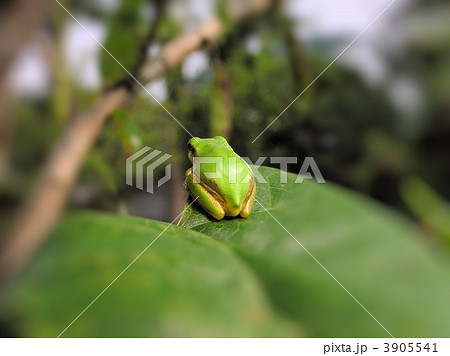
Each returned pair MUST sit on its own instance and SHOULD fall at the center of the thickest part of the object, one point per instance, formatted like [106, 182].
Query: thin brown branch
[301, 68]
[151, 36]
[59, 175]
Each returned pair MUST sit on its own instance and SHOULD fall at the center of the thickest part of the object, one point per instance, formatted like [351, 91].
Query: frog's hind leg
[204, 197]
[248, 202]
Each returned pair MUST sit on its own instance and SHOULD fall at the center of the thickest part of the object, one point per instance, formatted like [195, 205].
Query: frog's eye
[191, 148]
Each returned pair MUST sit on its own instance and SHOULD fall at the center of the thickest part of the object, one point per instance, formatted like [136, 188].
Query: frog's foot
[203, 195]
[248, 202]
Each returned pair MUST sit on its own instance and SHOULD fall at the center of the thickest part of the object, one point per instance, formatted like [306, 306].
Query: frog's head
[202, 147]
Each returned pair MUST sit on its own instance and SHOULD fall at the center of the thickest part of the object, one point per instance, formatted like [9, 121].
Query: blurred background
[377, 121]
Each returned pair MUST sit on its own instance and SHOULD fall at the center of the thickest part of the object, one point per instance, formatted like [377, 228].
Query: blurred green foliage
[127, 29]
[428, 207]
[356, 136]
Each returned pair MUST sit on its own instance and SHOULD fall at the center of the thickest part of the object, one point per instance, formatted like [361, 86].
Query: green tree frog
[222, 182]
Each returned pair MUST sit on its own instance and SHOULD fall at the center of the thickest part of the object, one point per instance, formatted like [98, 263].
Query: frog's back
[235, 175]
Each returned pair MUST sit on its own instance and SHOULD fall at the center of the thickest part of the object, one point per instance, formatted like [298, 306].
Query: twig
[300, 66]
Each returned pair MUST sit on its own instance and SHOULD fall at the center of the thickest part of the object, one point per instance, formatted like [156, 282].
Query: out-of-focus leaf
[124, 41]
[427, 205]
[185, 285]
[371, 250]
[429, 26]
[96, 167]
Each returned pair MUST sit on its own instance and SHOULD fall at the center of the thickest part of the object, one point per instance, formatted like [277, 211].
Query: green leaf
[371, 250]
[250, 279]
[186, 284]
[427, 205]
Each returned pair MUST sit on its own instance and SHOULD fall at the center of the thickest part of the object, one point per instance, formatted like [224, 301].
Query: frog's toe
[247, 209]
